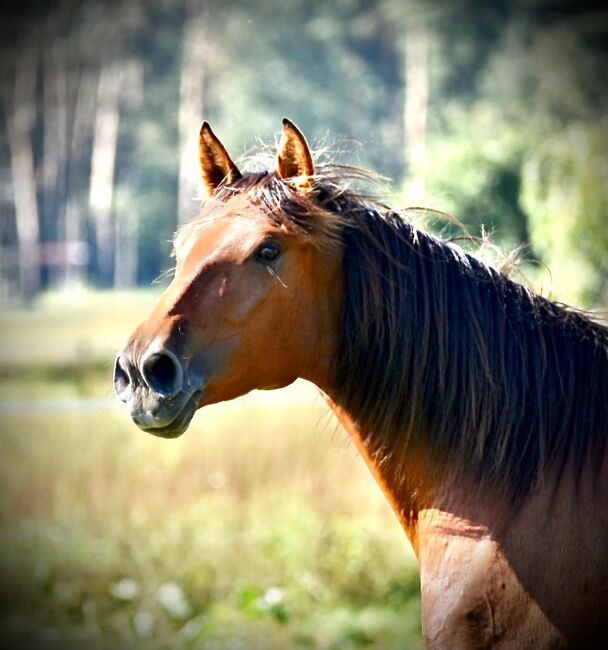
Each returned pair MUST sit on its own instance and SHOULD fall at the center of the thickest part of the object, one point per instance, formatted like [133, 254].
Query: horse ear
[216, 165]
[294, 159]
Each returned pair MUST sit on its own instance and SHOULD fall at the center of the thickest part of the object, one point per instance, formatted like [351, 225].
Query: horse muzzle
[161, 401]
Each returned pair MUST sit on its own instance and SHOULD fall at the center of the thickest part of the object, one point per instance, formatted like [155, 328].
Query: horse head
[255, 299]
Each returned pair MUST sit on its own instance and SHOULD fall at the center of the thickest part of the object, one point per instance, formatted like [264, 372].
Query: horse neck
[423, 502]
[448, 500]
[406, 489]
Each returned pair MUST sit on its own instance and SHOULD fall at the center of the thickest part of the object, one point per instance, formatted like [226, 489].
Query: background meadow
[260, 527]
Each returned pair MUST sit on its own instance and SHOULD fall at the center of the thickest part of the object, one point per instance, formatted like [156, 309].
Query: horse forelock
[275, 200]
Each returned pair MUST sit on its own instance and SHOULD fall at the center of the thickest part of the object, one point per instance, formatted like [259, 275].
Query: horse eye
[267, 253]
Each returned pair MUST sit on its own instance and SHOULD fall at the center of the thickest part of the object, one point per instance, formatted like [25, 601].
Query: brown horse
[480, 407]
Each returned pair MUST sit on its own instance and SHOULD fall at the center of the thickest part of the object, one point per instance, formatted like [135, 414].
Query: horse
[480, 407]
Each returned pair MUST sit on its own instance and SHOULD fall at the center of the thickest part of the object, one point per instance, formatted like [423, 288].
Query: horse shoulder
[471, 597]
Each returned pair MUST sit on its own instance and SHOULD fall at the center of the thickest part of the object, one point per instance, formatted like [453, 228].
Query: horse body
[480, 408]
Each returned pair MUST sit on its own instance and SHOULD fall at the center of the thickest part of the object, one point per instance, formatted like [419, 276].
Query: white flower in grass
[174, 601]
[273, 596]
[144, 624]
[125, 589]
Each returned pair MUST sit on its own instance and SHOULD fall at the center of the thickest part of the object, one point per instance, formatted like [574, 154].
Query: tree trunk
[127, 230]
[190, 114]
[103, 159]
[20, 120]
[55, 147]
[9, 271]
[82, 127]
[127, 220]
[416, 107]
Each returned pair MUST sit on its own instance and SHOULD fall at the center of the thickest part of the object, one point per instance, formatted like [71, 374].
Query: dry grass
[252, 501]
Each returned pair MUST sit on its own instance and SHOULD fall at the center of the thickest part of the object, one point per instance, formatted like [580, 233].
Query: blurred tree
[103, 159]
[19, 123]
[127, 224]
[194, 58]
[54, 117]
[565, 192]
[147, 157]
[19, 51]
[334, 68]
[76, 175]
[534, 72]
[456, 97]
[416, 106]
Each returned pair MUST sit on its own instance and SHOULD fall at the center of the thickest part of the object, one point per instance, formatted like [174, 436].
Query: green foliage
[474, 172]
[334, 69]
[507, 80]
[519, 147]
[566, 195]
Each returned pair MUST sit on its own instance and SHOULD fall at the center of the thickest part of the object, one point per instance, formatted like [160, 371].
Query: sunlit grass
[260, 525]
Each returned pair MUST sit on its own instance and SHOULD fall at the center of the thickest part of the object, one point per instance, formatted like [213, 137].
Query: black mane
[441, 352]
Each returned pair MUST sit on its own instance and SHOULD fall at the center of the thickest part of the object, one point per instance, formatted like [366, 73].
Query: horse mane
[440, 352]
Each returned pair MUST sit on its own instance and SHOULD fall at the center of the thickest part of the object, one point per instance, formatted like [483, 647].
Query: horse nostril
[163, 373]
[122, 380]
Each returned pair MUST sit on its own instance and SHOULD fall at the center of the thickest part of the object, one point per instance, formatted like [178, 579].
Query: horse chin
[179, 424]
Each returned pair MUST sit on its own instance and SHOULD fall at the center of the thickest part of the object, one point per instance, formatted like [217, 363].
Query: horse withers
[480, 407]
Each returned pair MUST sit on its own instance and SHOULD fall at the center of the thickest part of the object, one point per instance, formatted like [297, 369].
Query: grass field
[259, 528]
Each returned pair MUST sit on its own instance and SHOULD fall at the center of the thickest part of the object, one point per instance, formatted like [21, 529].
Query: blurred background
[260, 527]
